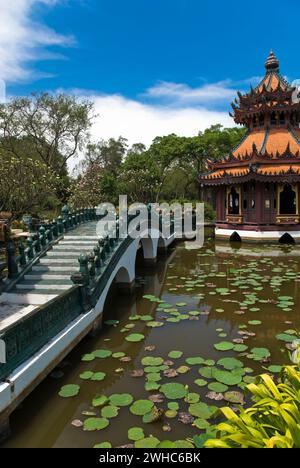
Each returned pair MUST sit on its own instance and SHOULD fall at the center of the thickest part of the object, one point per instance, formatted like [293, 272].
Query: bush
[272, 422]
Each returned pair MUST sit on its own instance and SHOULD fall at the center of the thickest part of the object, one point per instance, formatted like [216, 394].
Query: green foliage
[273, 421]
[25, 186]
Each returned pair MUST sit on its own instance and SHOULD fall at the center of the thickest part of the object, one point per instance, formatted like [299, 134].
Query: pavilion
[257, 184]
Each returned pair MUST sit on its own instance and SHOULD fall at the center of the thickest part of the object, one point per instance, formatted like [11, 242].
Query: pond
[194, 309]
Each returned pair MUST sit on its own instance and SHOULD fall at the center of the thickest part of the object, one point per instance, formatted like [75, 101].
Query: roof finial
[272, 63]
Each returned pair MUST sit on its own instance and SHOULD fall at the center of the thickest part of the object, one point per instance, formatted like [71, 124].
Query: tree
[54, 127]
[25, 187]
[108, 155]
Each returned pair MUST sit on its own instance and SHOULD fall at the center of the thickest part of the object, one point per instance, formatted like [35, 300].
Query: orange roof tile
[278, 169]
[234, 172]
[246, 146]
[278, 140]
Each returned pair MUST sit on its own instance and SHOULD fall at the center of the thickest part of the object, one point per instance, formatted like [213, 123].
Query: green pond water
[247, 298]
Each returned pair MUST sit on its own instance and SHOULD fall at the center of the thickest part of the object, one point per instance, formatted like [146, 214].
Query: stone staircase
[51, 275]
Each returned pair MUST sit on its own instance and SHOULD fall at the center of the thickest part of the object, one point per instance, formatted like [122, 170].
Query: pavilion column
[259, 189]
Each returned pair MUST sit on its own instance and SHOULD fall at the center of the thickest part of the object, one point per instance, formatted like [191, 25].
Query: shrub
[273, 421]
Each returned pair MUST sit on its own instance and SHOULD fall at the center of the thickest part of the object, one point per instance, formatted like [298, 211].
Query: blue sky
[151, 66]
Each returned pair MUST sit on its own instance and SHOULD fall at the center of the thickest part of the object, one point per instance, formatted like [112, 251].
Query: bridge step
[55, 268]
[31, 299]
[35, 286]
[81, 238]
[75, 243]
[63, 261]
[48, 276]
[59, 254]
[74, 248]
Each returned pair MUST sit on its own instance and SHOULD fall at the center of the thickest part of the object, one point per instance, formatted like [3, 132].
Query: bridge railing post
[65, 216]
[12, 265]
[80, 280]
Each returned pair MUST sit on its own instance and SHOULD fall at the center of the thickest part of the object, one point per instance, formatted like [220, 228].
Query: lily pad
[152, 361]
[135, 337]
[98, 376]
[148, 442]
[224, 345]
[174, 391]
[175, 354]
[99, 400]
[226, 377]
[230, 363]
[121, 399]
[217, 387]
[68, 391]
[202, 410]
[234, 397]
[102, 353]
[86, 375]
[135, 433]
[191, 361]
[141, 407]
[109, 412]
[95, 424]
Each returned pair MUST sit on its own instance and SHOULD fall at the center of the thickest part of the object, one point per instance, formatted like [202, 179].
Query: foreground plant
[272, 422]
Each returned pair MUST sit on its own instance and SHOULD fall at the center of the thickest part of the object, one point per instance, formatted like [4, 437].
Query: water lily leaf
[230, 363]
[217, 387]
[148, 442]
[135, 433]
[118, 355]
[224, 346]
[173, 405]
[109, 412]
[95, 424]
[152, 386]
[275, 369]
[201, 423]
[226, 377]
[154, 377]
[98, 376]
[174, 391]
[102, 353]
[166, 444]
[68, 391]
[191, 361]
[135, 337]
[201, 382]
[260, 352]
[285, 337]
[155, 324]
[141, 407]
[152, 361]
[192, 398]
[202, 410]
[88, 357]
[171, 414]
[234, 397]
[183, 369]
[86, 375]
[255, 322]
[175, 354]
[183, 444]
[99, 400]
[205, 372]
[240, 348]
[181, 304]
[121, 399]
[103, 445]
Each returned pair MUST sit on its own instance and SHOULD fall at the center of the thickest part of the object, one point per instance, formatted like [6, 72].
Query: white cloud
[140, 122]
[184, 94]
[22, 39]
